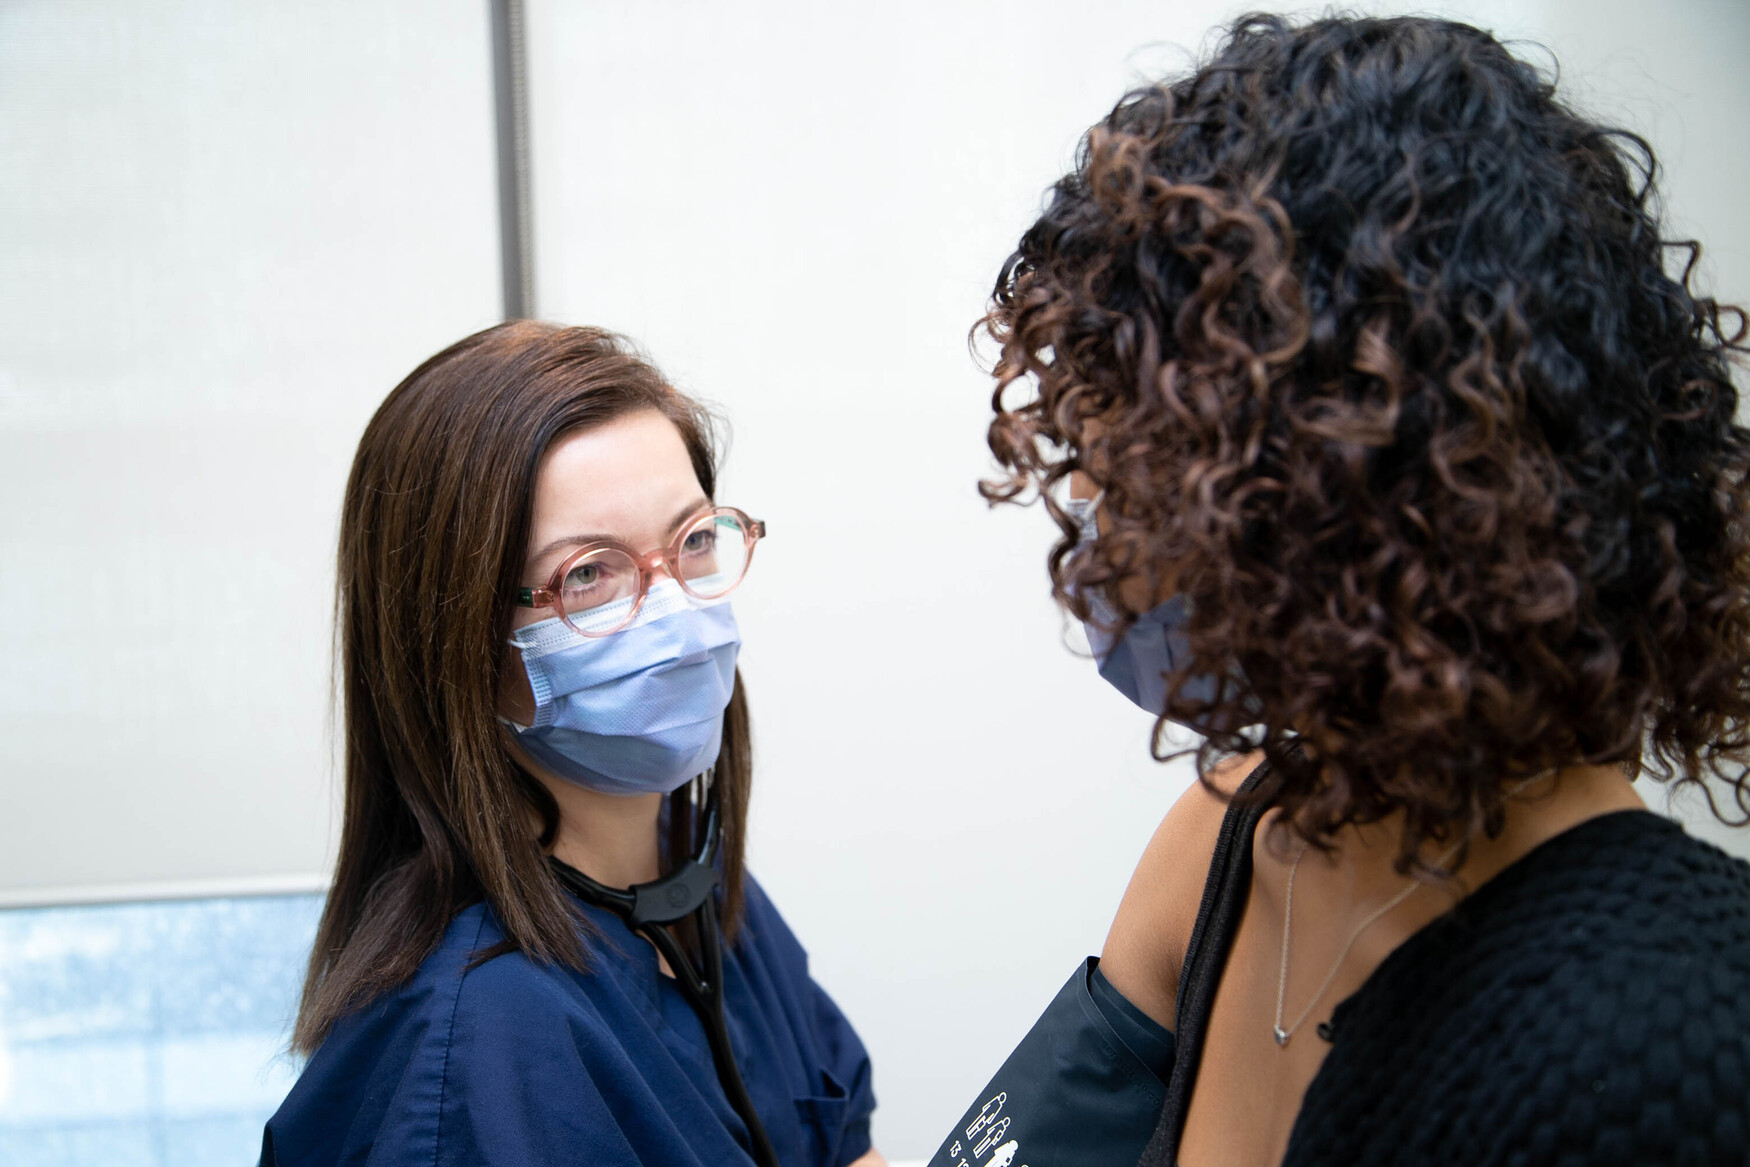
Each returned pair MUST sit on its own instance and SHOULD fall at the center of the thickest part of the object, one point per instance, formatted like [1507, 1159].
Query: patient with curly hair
[1395, 452]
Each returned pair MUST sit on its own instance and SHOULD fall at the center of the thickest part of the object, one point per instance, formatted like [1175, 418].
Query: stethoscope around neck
[648, 909]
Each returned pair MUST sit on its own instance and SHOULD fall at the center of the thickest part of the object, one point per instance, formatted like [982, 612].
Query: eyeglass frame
[646, 563]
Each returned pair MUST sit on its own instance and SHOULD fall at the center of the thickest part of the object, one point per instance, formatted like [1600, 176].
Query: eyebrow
[579, 540]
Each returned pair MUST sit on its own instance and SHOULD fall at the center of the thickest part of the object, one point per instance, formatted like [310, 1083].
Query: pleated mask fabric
[639, 711]
[1140, 663]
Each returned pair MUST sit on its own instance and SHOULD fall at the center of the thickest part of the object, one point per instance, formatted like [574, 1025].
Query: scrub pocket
[822, 1119]
[1073, 1094]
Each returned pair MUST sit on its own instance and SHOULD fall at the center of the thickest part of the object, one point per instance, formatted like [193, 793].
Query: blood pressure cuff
[1083, 1089]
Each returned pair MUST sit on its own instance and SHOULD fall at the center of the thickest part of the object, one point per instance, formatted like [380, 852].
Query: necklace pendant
[1281, 1035]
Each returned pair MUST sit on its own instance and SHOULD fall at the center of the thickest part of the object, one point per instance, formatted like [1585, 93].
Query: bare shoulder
[1150, 932]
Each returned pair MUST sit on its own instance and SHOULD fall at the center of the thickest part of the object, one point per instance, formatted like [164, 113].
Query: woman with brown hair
[1389, 455]
[547, 777]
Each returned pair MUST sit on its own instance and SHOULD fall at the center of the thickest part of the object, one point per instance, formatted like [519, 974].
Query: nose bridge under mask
[670, 639]
[636, 711]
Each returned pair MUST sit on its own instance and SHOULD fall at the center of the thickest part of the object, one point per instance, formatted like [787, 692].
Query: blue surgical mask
[636, 712]
[1139, 663]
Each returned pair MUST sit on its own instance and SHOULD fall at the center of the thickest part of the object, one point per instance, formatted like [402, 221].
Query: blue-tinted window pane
[151, 1034]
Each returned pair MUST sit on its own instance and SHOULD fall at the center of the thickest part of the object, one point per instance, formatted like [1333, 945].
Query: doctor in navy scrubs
[538, 665]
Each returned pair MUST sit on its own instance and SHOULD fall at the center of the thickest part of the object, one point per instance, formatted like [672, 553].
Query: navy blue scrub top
[514, 1062]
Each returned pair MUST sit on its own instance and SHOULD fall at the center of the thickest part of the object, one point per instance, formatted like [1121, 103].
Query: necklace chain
[1277, 1030]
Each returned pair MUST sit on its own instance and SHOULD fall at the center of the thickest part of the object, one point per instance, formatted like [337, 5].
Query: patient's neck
[1535, 813]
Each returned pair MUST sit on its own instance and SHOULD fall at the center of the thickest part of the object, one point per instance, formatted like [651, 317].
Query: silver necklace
[1277, 1030]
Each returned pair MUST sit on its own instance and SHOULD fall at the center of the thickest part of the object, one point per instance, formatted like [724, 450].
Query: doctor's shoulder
[476, 1026]
[1151, 930]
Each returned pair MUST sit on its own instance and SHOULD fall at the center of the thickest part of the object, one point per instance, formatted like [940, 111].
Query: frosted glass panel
[150, 1034]
[228, 230]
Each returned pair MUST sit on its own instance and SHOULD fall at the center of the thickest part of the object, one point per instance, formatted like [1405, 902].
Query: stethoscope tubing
[648, 909]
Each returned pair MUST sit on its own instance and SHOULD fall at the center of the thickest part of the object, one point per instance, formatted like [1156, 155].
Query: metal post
[511, 100]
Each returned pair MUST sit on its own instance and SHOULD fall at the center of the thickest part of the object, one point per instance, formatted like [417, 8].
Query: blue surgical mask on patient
[1138, 663]
[636, 712]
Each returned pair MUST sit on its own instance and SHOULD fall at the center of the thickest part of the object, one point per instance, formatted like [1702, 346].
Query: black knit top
[1588, 1005]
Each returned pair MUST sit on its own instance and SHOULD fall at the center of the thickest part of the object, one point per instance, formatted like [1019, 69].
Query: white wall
[800, 209]
[229, 229]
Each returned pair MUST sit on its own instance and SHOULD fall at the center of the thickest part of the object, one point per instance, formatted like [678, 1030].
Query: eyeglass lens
[713, 556]
[710, 560]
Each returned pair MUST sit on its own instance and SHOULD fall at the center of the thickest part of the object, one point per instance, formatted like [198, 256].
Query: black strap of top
[1218, 918]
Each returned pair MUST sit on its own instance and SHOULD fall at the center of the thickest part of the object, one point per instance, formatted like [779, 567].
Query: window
[148, 1033]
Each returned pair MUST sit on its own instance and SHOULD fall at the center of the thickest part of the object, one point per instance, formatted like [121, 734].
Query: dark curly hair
[1371, 344]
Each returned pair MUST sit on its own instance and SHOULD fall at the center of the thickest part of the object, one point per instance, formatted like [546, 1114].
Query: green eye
[584, 575]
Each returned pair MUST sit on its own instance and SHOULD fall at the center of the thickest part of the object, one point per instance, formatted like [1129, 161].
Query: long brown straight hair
[433, 534]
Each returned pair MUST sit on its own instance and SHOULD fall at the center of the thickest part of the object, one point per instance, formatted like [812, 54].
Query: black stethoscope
[648, 909]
